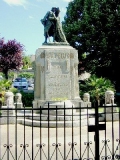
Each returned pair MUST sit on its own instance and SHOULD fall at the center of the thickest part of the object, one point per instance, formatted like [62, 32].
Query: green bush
[13, 90]
[26, 75]
[5, 85]
[96, 87]
[27, 99]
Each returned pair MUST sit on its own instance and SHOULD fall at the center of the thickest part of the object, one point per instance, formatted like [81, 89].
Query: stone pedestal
[18, 105]
[8, 115]
[62, 114]
[18, 100]
[56, 75]
[85, 104]
[56, 83]
[111, 111]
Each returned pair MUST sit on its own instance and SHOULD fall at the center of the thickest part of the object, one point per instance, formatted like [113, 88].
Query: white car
[20, 83]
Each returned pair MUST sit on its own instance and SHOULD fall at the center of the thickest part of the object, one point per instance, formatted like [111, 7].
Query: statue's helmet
[58, 9]
[53, 9]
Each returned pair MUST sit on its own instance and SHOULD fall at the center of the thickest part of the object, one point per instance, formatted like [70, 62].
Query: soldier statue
[53, 27]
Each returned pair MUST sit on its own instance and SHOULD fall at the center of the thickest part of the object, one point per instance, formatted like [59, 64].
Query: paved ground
[31, 138]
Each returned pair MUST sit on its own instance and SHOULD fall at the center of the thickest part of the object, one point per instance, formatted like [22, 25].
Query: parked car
[20, 83]
[31, 82]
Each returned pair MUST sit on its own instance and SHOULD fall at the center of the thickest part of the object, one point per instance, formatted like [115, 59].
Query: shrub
[4, 87]
[26, 75]
[96, 87]
[27, 99]
[13, 90]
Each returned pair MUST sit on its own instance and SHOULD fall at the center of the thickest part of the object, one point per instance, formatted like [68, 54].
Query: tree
[26, 75]
[26, 62]
[10, 56]
[92, 27]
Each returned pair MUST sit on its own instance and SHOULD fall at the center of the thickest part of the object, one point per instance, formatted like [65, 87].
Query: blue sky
[20, 20]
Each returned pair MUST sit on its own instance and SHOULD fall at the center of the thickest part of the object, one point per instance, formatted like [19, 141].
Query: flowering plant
[59, 99]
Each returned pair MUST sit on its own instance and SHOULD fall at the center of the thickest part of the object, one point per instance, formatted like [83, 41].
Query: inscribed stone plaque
[57, 77]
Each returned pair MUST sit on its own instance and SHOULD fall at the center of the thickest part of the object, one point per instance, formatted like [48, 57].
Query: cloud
[16, 2]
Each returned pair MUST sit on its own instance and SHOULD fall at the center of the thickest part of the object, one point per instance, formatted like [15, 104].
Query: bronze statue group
[53, 27]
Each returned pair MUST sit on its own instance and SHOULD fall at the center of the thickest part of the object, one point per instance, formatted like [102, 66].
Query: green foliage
[11, 75]
[10, 56]
[5, 85]
[26, 62]
[26, 75]
[13, 90]
[93, 26]
[27, 99]
[96, 87]
[33, 65]
[1, 74]
[2, 98]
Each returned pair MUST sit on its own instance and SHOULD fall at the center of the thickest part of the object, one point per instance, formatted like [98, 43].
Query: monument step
[25, 111]
[43, 117]
[52, 124]
[59, 112]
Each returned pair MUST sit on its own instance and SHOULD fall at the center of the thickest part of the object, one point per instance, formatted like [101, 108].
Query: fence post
[96, 132]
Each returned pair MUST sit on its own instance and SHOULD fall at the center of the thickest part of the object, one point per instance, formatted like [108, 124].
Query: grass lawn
[101, 109]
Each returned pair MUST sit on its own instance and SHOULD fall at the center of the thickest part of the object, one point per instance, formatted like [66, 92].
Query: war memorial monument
[56, 73]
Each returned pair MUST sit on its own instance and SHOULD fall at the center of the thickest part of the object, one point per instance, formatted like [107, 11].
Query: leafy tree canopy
[92, 27]
[10, 56]
[26, 75]
[26, 62]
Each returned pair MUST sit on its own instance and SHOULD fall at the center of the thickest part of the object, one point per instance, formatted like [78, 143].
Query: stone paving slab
[20, 135]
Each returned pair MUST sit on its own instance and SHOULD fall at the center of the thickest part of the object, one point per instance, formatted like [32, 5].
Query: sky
[20, 20]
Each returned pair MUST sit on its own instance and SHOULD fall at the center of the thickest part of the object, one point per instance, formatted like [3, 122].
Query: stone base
[38, 120]
[109, 117]
[53, 124]
[8, 111]
[56, 44]
[110, 111]
[8, 115]
[85, 104]
[38, 103]
[18, 105]
[7, 120]
[69, 103]
[59, 108]
[60, 114]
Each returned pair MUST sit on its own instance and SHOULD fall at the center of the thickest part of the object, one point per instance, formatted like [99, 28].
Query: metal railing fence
[74, 133]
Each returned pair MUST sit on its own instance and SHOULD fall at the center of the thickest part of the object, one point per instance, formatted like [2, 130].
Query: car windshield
[20, 80]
